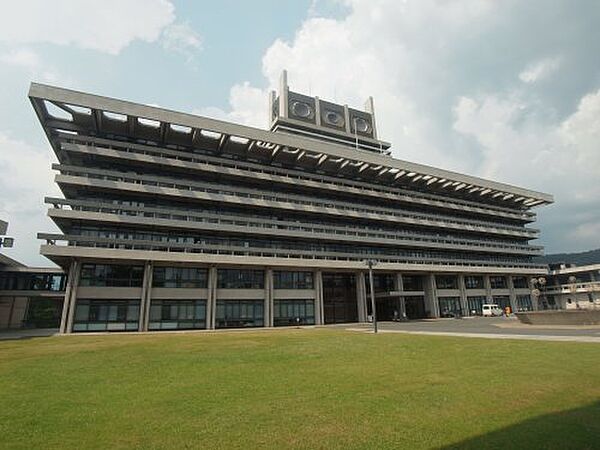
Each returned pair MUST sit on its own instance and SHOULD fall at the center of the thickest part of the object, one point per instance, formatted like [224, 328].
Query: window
[520, 282]
[293, 312]
[239, 313]
[106, 315]
[446, 282]
[111, 275]
[502, 301]
[498, 282]
[524, 303]
[180, 277]
[474, 282]
[20, 281]
[177, 314]
[293, 280]
[383, 282]
[475, 305]
[240, 279]
[449, 306]
[412, 282]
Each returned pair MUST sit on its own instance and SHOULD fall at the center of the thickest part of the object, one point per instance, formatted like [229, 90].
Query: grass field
[320, 388]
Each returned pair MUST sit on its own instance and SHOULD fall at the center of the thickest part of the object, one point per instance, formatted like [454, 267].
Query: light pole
[370, 263]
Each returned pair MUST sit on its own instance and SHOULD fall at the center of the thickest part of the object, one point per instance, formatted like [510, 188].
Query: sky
[504, 90]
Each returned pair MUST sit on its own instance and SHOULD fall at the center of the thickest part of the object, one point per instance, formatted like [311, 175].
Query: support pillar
[67, 300]
[463, 295]
[318, 276]
[399, 287]
[431, 303]
[73, 296]
[146, 297]
[211, 299]
[269, 302]
[512, 293]
[488, 289]
[361, 296]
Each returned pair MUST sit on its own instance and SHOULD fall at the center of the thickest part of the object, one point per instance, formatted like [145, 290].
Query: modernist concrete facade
[571, 287]
[171, 220]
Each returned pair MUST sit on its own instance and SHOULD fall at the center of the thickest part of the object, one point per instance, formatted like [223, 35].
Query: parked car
[491, 310]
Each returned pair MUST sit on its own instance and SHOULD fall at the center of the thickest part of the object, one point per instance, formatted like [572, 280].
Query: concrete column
[268, 310]
[488, 289]
[361, 296]
[146, 297]
[512, 293]
[211, 300]
[464, 306]
[69, 288]
[399, 287]
[430, 292]
[73, 301]
[318, 280]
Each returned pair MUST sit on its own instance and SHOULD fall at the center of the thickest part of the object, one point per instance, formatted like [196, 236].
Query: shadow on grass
[572, 429]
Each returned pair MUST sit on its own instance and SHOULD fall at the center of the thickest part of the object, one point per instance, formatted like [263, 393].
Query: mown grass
[314, 388]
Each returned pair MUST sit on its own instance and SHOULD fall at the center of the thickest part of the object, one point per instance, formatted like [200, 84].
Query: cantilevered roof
[76, 112]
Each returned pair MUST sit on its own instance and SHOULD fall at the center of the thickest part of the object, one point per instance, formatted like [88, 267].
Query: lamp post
[370, 263]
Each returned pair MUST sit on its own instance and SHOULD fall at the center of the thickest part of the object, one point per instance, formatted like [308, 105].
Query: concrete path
[488, 328]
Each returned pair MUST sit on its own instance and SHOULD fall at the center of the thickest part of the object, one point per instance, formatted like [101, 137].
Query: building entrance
[415, 307]
[339, 298]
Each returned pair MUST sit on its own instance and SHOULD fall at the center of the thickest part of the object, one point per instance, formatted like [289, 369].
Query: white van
[491, 310]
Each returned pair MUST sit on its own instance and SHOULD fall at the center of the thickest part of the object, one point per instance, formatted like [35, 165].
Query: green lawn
[319, 388]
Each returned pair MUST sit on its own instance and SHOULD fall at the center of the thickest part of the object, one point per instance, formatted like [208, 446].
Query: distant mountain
[581, 259]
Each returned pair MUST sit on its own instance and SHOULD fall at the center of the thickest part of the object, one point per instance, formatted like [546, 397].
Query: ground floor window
[106, 315]
[524, 303]
[415, 307]
[240, 313]
[475, 305]
[502, 301]
[177, 314]
[449, 306]
[293, 312]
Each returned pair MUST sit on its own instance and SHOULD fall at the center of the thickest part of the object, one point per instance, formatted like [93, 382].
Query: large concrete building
[171, 220]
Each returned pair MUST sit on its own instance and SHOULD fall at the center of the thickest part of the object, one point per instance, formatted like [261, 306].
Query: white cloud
[540, 69]
[561, 158]
[26, 179]
[249, 106]
[106, 26]
[22, 57]
[181, 38]
[443, 78]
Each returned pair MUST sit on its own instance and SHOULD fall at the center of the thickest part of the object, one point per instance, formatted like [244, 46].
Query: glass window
[293, 312]
[475, 305]
[502, 301]
[106, 315]
[474, 282]
[32, 281]
[383, 282]
[111, 275]
[239, 313]
[240, 279]
[180, 277]
[446, 281]
[449, 306]
[293, 280]
[520, 282]
[524, 303]
[498, 282]
[412, 282]
[177, 314]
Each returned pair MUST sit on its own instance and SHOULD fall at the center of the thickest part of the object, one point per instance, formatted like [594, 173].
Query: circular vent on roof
[333, 118]
[361, 125]
[301, 109]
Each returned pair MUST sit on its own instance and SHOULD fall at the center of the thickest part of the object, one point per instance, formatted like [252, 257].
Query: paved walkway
[489, 328]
